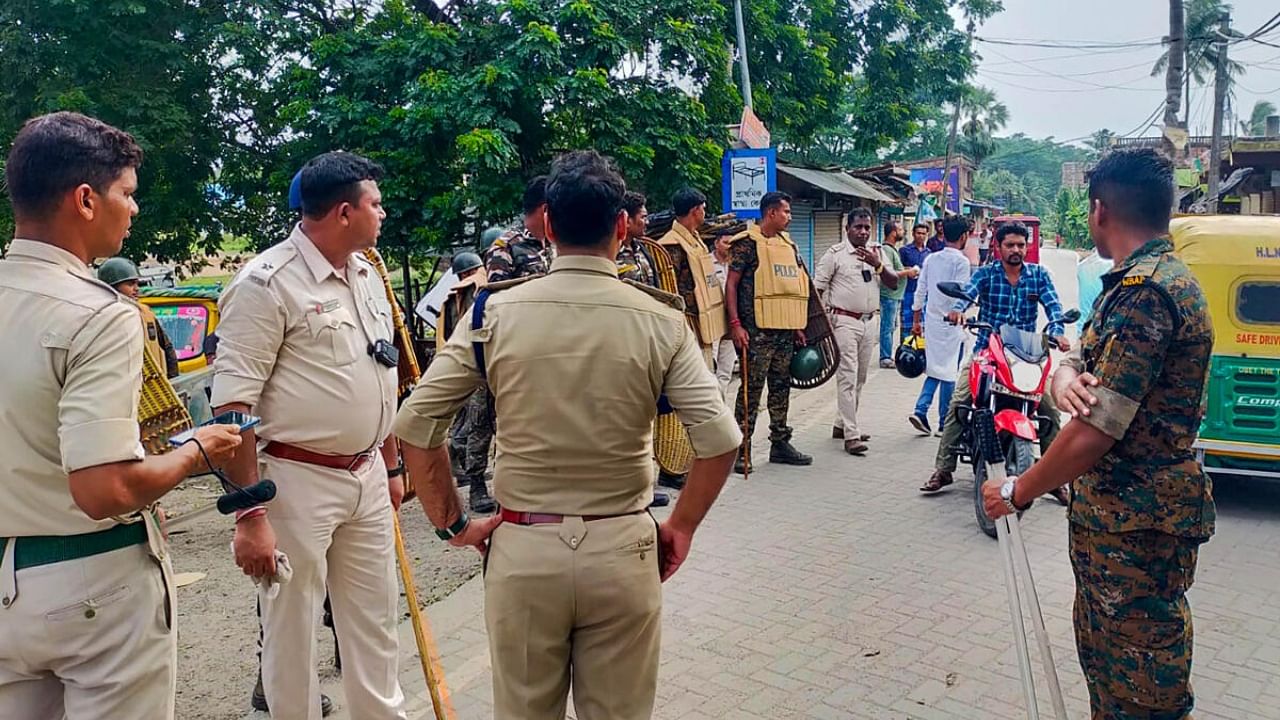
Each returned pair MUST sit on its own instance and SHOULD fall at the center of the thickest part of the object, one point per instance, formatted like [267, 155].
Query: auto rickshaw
[189, 317]
[1237, 261]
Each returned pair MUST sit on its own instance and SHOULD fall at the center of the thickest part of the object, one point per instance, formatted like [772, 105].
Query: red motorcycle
[1002, 424]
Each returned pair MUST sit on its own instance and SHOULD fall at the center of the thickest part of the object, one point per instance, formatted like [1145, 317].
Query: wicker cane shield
[161, 415]
[671, 446]
[819, 334]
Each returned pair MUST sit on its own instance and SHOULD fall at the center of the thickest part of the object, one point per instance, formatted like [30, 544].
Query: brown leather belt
[285, 451]
[528, 518]
[854, 315]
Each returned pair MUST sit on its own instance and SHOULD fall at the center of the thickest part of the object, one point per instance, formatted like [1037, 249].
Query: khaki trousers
[726, 356]
[577, 603]
[87, 639]
[336, 528]
[857, 340]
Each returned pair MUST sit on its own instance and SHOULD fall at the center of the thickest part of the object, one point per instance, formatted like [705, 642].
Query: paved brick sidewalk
[837, 591]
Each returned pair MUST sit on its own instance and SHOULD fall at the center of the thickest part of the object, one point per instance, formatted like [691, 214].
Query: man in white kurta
[943, 342]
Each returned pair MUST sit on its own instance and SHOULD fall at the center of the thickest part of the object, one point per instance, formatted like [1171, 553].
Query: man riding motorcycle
[1009, 293]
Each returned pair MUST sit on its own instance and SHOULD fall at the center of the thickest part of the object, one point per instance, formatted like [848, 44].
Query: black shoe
[837, 432]
[675, 482]
[463, 480]
[920, 423]
[740, 465]
[784, 453]
[481, 501]
[259, 701]
[660, 499]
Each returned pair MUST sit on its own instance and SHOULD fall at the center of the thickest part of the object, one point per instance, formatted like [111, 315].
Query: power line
[1041, 73]
[1068, 78]
[1094, 53]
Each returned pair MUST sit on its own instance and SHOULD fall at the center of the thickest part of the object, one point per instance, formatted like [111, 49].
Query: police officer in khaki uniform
[86, 611]
[576, 361]
[121, 274]
[848, 278]
[304, 336]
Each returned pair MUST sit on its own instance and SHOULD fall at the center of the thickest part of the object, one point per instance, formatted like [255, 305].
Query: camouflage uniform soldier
[525, 252]
[633, 263]
[1141, 504]
[768, 349]
[472, 429]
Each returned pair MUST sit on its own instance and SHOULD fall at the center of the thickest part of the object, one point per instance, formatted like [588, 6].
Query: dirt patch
[217, 624]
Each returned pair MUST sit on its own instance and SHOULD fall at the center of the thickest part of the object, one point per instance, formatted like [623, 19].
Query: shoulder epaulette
[661, 296]
[264, 267]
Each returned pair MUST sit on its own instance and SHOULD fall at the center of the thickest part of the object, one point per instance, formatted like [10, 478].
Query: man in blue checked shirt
[1009, 293]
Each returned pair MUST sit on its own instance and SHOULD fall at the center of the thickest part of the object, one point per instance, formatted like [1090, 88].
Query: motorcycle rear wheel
[1018, 459]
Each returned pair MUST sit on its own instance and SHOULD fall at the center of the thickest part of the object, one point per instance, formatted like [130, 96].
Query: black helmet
[909, 359]
[806, 364]
[464, 261]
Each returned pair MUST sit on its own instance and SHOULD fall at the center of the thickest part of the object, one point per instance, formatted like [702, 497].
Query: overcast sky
[1044, 103]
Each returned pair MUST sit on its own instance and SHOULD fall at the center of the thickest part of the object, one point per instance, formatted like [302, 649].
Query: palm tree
[984, 115]
[1256, 125]
[1203, 17]
[1100, 140]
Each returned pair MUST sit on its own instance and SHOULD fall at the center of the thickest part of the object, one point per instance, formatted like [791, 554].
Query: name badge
[328, 306]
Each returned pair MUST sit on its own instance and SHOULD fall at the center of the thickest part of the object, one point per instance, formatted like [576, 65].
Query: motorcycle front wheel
[1018, 459]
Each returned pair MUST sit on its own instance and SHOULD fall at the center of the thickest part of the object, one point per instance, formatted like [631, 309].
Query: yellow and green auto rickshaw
[1237, 260]
[189, 316]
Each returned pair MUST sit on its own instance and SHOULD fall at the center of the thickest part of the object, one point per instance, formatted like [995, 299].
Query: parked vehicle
[1236, 258]
[1003, 424]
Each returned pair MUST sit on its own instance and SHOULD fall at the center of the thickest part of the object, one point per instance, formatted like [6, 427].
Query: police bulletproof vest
[782, 286]
[709, 313]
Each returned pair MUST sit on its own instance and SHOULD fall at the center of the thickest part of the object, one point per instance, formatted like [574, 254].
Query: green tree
[1071, 218]
[1099, 141]
[1002, 188]
[983, 115]
[1256, 125]
[145, 67]
[1202, 26]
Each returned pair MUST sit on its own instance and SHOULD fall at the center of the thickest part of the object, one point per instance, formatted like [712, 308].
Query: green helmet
[117, 270]
[806, 364]
[488, 236]
[464, 261]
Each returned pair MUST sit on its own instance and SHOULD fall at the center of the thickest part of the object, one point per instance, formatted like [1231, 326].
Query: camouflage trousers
[768, 364]
[1133, 623]
[471, 434]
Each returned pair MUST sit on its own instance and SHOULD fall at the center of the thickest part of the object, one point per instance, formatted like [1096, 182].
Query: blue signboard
[747, 176]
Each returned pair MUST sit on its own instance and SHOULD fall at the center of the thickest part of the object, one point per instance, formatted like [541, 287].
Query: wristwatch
[1006, 494]
[455, 529]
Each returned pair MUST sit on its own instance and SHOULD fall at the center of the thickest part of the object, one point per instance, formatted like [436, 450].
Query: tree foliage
[144, 66]
[462, 105]
[1071, 218]
[1256, 125]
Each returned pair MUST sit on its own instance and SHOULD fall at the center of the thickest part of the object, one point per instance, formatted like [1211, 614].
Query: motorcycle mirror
[954, 290]
[1070, 316]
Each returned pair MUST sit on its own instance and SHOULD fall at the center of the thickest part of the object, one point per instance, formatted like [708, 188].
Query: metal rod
[1015, 611]
[1037, 620]
[185, 519]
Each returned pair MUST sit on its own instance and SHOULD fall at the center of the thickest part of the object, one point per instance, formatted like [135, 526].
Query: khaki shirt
[72, 373]
[839, 277]
[293, 344]
[576, 361]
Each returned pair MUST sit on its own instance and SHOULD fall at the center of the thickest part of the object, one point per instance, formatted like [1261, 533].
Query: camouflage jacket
[515, 255]
[635, 265]
[1148, 342]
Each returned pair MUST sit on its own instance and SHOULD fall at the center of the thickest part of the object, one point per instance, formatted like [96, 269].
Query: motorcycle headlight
[1026, 376]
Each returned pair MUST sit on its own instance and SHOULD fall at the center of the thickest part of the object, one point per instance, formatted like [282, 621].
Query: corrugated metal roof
[835, 181]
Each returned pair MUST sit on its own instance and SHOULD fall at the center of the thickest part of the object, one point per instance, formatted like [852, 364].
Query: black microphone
[245, 498]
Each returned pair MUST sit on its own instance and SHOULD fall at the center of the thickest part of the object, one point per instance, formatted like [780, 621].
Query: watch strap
[455, 529]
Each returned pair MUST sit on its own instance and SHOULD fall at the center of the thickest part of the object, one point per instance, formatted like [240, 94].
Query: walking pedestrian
[726, 353]
[943, 341]
[87, 601]
[574, 564]
[1141, 504]
[848, 279]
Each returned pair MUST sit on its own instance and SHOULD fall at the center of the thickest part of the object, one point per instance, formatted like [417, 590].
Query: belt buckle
[357, 463]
